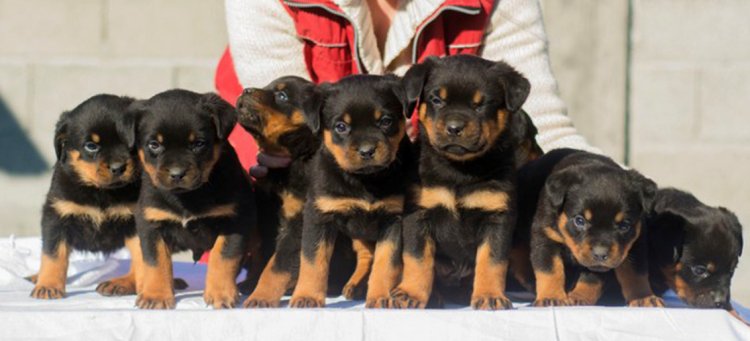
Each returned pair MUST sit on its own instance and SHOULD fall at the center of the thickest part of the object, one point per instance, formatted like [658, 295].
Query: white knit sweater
[265, 46]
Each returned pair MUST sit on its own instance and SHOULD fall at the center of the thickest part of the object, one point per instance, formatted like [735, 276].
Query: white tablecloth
[84, 315]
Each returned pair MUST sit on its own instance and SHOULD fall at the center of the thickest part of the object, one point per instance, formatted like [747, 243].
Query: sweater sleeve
[516, 35]
[263, 42]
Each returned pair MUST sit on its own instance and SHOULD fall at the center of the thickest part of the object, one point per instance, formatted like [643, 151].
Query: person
[324, 40]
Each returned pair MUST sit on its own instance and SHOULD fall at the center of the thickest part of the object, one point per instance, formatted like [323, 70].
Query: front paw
[401, 298]
[155, 301]
[353, 291]
[48, 292]
[579, 301]
[260, 302]
[652, 301]
[116, 287]
[223, 298]
[379, 302]
[306, 302]
[551, 302]
[491, 302]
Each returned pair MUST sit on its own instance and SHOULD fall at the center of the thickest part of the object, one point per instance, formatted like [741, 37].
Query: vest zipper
[460, 9]
[342, 15]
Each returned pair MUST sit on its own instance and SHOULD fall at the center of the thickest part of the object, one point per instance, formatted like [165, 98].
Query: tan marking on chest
[96, 215]
[392, 204]
[431, 197]
[154, 214]
[291, 205]
[493, 201]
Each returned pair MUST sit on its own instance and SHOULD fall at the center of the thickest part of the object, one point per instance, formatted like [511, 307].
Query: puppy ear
[414, 81]
[734, 226]
[61, 135]
[522, 127]
[646, 186]
[128, 124]
[313, 106]
[222, 113]
[515, 86]
[558, 185]
[396, 85]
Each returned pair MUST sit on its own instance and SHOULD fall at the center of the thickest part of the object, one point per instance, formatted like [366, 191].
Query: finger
[272, 161]
[258, 171]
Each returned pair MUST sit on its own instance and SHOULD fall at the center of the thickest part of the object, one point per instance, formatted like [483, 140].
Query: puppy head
[361, 119]
[274, 113]
[707, 248]
[466, 103]
[180, 137]
[94, 142]
[601, 208]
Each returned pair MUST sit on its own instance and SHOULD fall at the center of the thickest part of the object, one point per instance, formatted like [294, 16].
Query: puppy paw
[353, 291]
[402, 299]
[551, 302]
[306, 302]
[491, 302]
[260, 302]
[579, 301]
[155, 301]
[379, 302]
[44, 292]
[222, 298]
[116, 287]
[652, 301]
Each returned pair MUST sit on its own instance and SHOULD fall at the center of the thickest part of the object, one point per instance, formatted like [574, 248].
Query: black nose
[177, 173]
[248, 91]
[600, 253]
[366, 152]
[455, 127]
[117, 168]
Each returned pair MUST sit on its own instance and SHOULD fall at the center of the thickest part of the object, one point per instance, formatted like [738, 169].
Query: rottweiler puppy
[274, 116]
[194, 194]
[357, 186]
[693, 249]
[587, 220]
[94, 188]
[460, 233]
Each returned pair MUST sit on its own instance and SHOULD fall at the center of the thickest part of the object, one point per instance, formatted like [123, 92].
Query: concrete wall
[690, 74]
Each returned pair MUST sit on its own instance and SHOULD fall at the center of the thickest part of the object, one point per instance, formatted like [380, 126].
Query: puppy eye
[624, 226]
[436, 101]
[341, 127]
[580, 222]
[154, 145]
[699, 270]
[281, 96]
[91, 147]
[198, 145]
[386, 122]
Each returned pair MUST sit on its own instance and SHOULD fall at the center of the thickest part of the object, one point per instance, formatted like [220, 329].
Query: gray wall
[689, 95]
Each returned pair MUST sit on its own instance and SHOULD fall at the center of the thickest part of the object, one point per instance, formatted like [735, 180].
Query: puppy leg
[157, 291]
[419, 265]
[364, 251]
[315, 258]
[489, 280]
[549, 271]
[125, 285]
[386, 268]
[50, 282]
[588, 289]
[223, 265]
[632, 275]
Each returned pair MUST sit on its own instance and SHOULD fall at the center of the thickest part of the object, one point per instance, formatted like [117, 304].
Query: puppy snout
[177, 173]
[366, 151]
[600, 253]
[248, 91]
[719, 298]
[117, 168]
[455, 127]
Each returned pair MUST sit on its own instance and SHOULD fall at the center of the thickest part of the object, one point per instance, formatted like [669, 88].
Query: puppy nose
[367, 151]
[600, 253]
[177, 173]
[248, 91]
[454, 127]
[117, 168]
[719, 298]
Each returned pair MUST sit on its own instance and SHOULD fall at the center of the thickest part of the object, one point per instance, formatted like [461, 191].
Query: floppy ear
[128, 124]
[414, 81]
[515, 86]
[397, 86]
[61, 135]
[522, 127]
[734, 226]
[557, 186]
[646, 186]
[313, 106]
[222, 113]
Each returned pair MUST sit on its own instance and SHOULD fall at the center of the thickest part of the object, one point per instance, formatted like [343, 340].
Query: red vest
[455, 27]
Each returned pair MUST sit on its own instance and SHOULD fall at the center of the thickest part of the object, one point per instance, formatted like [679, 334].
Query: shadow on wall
[18, 155]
